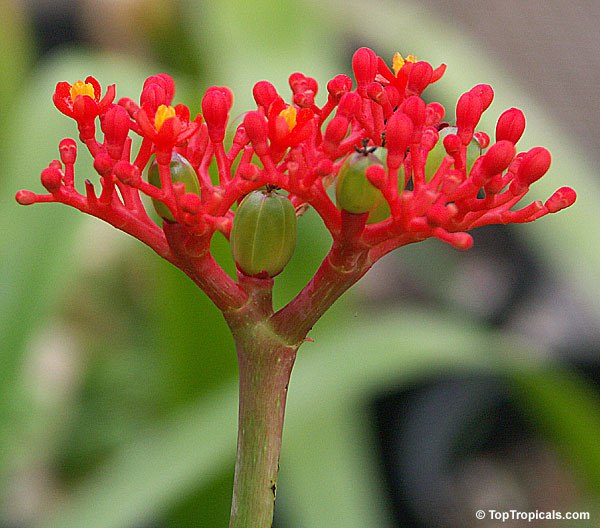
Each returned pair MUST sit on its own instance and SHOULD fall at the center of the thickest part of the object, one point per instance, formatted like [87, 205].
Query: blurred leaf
[37, 250]
[337, 373]
[247, 42]
[191, 334]
[15, 56]
[566, 408]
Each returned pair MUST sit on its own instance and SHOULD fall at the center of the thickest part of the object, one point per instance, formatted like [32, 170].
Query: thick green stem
[265, 367]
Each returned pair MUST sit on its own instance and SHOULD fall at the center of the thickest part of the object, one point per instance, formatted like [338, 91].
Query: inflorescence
[432, 177]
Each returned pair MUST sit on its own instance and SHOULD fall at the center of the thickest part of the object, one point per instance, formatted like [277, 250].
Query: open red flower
[83, 101]
[167, 127]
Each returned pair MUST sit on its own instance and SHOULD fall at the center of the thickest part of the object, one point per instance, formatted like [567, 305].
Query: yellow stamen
[398, 61]
[163, 112]
[81, 88]
[289, 114]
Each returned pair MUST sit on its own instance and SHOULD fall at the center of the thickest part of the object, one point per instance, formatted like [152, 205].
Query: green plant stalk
[266, 345]
[265, 369]
[265, 366]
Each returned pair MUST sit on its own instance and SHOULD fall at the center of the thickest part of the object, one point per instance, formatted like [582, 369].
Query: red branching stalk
[430, 182]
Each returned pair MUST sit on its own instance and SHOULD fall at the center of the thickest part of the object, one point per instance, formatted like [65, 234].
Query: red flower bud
[128, 173]
[336, 130]
[257, 129]
[562, 198]
[485, 94]
[376, 175]
[511, 125]
[534, 164]
[103, 163]
[216, 104]
[338, 86]
[349, 105]
[398, 132]
[414, 108]
[24, 197]
[364, 65]
[497, 158]
[115, 124]
[190, 203]
[52, 179]
[419, 78]
[468, 113]
[434, 113]
[264, 94]
[68, 151]
[158, 89]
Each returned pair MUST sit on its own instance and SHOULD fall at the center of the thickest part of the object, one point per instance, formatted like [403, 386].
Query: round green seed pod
[353, 192]
[181, 171]
[437, 153]
[263, 236]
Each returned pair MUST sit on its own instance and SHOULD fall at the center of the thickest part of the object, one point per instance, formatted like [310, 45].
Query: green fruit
[181, 171]
[437, 153]
[353, 192]
[263, 236]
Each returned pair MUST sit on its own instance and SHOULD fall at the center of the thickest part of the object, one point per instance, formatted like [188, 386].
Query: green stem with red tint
[265, 366]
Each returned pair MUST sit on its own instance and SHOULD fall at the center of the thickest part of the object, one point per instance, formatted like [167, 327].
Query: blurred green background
[118, 378]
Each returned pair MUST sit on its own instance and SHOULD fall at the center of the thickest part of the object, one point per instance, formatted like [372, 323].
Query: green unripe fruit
[353, 192]
[437, 153]
[181, 171]
[263, 236]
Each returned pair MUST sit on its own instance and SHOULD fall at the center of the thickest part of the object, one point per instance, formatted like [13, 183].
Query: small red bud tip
[468, 112]
[398, 133]
[258, 130]
[336, 130]
[462, 241]
[458, 240]
[215, 110]
[533, 166]
[264, 94]
[511, 125]
[51, 178]
[452, 144]
[485, 94]
[25, 197]
[301, 83]
[190, 203]
[414, 107]
[561, 199]
[419, 78]
[128, 173]
[364, 65]
[68, 151]
[103, 163]
[434, 113]
[483, 139]
[375, 91]
[349, 104]
[376, 176]
[158, 89]
[115, 125]
[338, 86]
[498, 158]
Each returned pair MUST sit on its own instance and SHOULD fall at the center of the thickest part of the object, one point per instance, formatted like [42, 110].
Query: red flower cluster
[432, 184]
